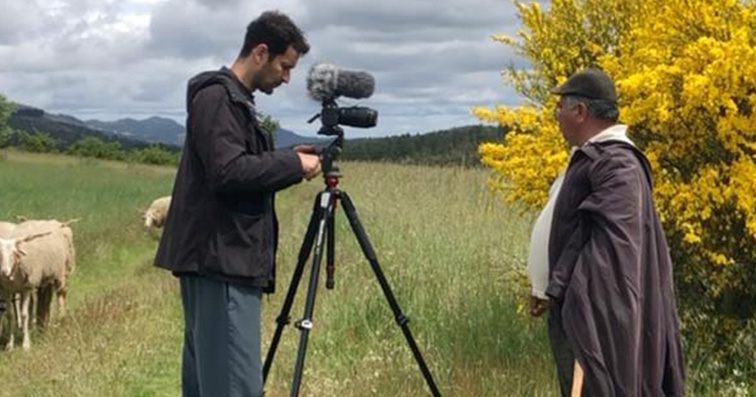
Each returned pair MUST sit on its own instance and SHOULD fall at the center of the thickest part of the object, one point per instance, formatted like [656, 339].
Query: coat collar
[616, 133]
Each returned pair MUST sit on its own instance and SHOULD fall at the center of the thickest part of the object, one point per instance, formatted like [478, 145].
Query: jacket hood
[206, 79]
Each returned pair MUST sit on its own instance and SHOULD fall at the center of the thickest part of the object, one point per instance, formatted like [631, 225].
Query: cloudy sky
[109, 59]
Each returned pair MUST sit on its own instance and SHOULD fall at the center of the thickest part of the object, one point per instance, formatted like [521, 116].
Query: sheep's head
[11, 252]
[149, 219]
[10, 256]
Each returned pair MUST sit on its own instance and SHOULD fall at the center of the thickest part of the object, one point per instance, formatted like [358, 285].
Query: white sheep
[40, 255]
[157, 212]
[52, 285]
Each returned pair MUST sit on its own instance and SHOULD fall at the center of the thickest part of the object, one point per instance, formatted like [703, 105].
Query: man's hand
[308, 149]
[310, 164]
[538, 306]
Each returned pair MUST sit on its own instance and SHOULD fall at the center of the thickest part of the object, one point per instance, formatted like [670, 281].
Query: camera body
[354, 116]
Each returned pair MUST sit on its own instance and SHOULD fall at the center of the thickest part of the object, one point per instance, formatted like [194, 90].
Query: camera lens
[357, 116]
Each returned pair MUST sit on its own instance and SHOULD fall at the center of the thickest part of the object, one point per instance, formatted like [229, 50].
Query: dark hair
[277, 31]
[601, 109]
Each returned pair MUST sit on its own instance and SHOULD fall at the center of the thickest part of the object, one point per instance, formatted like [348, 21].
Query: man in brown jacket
[613, 317]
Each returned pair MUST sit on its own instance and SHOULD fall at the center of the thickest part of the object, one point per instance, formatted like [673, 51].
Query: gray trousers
[221, 354]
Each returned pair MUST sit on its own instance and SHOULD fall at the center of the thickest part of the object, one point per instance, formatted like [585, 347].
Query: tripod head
[328, 157]
[331, 116]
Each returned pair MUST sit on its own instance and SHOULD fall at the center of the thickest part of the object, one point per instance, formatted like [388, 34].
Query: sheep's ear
[69, 222]
[19, 251]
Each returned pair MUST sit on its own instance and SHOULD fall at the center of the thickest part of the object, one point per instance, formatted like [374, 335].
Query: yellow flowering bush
[686, 78]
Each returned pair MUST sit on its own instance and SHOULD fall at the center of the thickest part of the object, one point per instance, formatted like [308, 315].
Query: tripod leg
[283, 317]
[330, 250]
[401, 319]
[327, 205]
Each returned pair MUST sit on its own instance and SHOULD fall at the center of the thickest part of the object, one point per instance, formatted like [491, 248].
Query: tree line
[452, 147]
[91, 147]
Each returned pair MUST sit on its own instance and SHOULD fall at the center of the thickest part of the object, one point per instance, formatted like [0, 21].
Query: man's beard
[264, 85]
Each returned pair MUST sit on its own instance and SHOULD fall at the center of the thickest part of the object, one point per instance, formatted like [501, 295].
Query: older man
[613, 317]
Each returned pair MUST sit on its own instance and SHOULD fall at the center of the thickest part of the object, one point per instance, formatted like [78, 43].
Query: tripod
[320, 230]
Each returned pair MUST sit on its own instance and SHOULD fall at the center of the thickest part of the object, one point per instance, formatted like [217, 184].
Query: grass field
[446, 247]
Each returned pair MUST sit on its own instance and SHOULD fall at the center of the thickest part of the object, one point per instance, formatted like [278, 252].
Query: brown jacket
[610, 275]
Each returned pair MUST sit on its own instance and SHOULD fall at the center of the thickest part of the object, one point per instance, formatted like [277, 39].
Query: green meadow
[450, 251]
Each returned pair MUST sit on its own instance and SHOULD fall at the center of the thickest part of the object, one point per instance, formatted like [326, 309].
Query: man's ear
[582, 111]
[260, 54]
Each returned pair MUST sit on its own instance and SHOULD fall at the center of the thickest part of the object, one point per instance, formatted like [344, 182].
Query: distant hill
[63, 128]
[152, 130]
[129, 132]
[455, 146]
[285, 138]
[163, 130]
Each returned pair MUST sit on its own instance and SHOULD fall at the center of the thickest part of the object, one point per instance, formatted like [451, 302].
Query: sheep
[157, 212]
[7, 306]
[46, 291]
[10, 251]
[40, 255]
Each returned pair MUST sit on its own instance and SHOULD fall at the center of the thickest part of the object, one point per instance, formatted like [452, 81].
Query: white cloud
[432, 60]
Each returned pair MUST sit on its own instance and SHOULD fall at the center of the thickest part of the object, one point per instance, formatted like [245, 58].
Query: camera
[325, 83]
[355, 116]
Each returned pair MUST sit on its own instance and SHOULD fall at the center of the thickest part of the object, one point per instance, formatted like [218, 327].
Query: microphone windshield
[326, 81]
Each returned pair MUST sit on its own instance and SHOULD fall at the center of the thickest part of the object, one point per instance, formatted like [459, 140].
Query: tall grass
[120, 334]
[447, 250]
